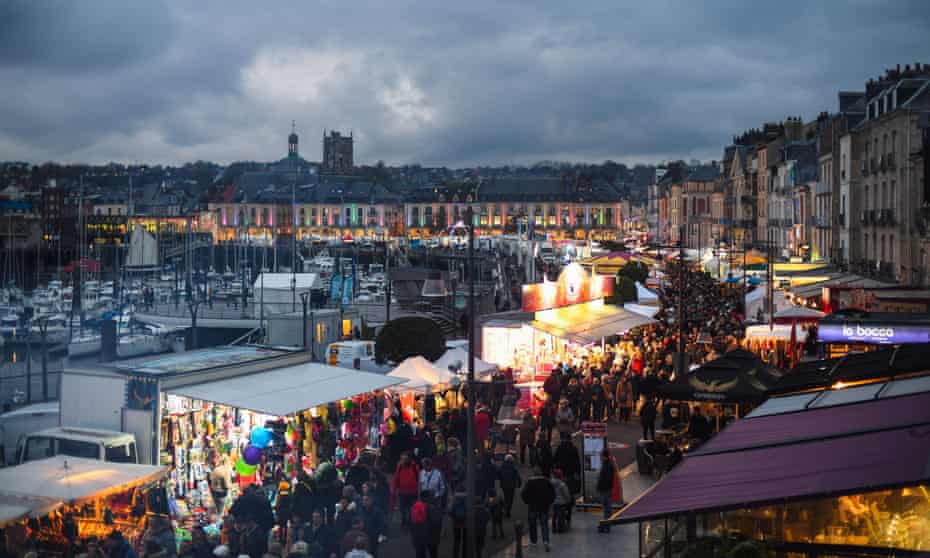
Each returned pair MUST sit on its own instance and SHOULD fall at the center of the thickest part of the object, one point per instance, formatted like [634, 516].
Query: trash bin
[643, 463]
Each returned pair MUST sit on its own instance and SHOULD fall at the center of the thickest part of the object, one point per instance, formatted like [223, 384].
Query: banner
[878, 334]
[574, 286]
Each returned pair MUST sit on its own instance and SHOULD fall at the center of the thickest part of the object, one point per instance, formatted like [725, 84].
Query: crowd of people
[415, 485]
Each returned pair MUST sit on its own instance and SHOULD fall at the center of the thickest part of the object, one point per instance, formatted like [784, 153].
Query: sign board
[878, 334]
[574, 286]
[594, 440]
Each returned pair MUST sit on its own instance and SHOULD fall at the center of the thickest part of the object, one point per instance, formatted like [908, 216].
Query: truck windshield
[75, 448]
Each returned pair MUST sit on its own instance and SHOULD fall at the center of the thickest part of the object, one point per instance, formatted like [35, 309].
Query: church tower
[292, 141]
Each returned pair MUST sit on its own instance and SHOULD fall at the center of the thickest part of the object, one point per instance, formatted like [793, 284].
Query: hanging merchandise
[261, 437]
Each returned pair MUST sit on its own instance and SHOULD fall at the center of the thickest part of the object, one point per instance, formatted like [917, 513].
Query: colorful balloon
[260, 437]
[244, 469]
[252, 455]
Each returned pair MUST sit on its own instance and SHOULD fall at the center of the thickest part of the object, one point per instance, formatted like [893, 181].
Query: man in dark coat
[538, 495]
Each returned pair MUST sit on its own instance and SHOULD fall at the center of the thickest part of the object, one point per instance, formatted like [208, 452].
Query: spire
[292, 140]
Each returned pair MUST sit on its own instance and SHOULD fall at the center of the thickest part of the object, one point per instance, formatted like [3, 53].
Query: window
[552, 216]
[75, 448]
[125, 453]
[497, 216]
[866, 198]
[264, 221]
[38, 447]
[892, 203]
[253, 213]
[884, 196]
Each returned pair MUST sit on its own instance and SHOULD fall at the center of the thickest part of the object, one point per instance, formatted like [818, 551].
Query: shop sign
[574, 286]
[141, 393]
[881, 334]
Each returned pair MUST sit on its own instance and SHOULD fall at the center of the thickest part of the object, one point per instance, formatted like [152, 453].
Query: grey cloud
[436, 83]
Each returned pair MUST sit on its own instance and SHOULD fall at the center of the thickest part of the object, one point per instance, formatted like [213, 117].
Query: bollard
[518, 538]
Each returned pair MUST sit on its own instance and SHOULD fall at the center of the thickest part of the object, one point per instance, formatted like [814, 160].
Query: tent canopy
[282, 281]
[589, 322]
[644, 295]
[14, 507]
[288, 390]
[798, 313]
[458, 357]
[645, 311]
[73, 480]
[417, 373]
[739, 376]
[780, 332]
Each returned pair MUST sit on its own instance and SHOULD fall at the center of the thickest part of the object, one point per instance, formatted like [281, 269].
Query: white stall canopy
[288, 390]
[645, 296]
[417, 373]
[73, 480]
[458, 358]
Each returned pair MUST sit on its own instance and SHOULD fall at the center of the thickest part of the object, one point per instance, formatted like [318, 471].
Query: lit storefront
[863, 331]
[844, 474]
[570, 321]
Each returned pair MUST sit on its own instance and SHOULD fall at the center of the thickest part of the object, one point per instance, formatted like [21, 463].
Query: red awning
[739, 479]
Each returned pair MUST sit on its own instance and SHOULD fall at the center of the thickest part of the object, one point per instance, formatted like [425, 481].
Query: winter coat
[509, 476]
[538, 494]
[406, 479]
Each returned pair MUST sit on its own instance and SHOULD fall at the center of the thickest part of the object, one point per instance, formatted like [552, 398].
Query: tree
[636, 271]
[624, 291]
[409, 336]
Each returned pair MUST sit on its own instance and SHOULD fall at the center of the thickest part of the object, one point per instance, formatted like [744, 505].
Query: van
[345, 353]
[19, 422]
[103, 445]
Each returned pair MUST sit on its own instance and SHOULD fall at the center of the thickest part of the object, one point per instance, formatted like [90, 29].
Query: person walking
[606, 478]
[538, 495]
[647, 417]
[510, 481]
[458, 511]
[527, 437]
[624, 399]
[404, 486]
[562, 506]
[431, 480]
[543, 452]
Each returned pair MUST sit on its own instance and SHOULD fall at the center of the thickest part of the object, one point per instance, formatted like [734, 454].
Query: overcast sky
[436, 83]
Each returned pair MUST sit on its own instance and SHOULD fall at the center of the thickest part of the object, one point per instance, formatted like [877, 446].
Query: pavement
[582, 540]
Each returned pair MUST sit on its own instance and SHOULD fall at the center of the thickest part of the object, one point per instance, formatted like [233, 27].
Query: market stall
[52, 500]
[264, 426]
[427, 389]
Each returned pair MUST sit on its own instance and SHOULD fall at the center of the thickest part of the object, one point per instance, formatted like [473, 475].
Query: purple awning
[815, 423]
[792, 471]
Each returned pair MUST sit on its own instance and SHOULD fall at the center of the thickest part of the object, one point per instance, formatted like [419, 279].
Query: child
[496, 509]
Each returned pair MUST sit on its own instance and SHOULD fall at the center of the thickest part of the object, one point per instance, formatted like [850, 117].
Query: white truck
[89, 443]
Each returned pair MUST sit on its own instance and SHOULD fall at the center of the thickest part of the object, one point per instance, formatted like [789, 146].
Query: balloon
[244, 469]
[260, 437]
[252, 455]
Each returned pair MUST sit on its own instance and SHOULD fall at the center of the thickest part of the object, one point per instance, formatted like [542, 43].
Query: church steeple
[292, 141]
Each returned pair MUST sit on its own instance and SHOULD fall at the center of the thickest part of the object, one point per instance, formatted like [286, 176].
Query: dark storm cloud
[436, 83]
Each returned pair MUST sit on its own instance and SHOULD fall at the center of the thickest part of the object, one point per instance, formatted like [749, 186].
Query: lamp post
[303, 299]
[470, 448]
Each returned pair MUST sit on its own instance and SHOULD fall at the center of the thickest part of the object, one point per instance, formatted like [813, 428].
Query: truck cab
[345, 353]
[103, 445]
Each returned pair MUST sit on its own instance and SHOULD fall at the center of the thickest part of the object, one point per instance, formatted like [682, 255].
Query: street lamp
[470, 471]
[304, 298]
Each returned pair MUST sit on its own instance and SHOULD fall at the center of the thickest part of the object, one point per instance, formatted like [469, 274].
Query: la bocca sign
[872, 333]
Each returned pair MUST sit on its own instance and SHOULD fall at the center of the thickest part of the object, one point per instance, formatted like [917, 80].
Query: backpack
[418, 512]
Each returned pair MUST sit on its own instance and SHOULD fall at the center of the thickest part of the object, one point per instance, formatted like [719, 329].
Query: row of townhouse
[851, 187]
[341, 206]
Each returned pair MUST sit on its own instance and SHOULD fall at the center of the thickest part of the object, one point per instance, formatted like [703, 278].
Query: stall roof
[821, 422]
[200, 359]
[457, 356]
[73, 480]
[287, 390]
[14, 507]
[417, 373]
[589, 322]
[790, 471]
